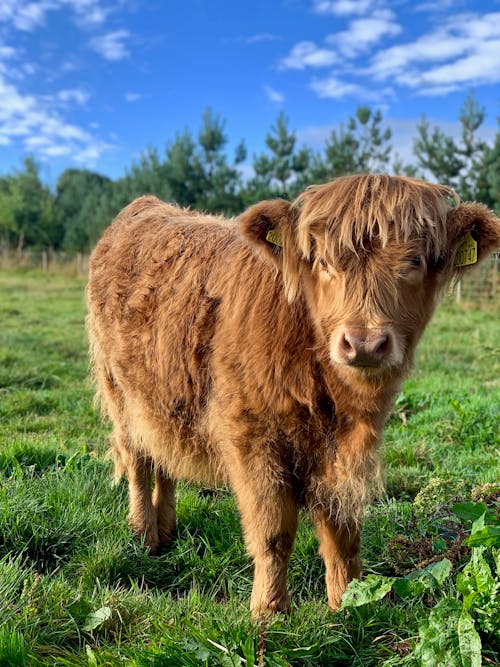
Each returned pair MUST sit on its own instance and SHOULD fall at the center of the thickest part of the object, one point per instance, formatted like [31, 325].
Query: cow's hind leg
[340, 549]
[164, 504]
[142, 515]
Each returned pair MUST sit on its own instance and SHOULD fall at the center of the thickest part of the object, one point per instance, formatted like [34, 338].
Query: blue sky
[92, 83]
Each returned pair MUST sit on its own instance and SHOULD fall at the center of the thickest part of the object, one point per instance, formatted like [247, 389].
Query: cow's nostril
[381, 345]
[348, 346]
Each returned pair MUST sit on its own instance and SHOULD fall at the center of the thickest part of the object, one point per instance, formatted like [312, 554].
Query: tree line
[196, 171]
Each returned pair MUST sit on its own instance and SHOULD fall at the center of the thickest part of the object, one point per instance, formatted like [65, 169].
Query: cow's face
[371, 305]
[371, 255]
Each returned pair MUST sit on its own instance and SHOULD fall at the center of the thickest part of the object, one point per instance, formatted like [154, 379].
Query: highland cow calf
[265, 353]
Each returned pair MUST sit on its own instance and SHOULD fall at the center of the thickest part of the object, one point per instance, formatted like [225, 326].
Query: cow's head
[370, 254]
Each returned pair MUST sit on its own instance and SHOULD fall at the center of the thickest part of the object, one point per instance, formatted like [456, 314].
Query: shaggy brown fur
[223, 358]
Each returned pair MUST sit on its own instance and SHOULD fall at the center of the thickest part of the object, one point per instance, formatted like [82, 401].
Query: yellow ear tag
[274, 236]
[467, 252]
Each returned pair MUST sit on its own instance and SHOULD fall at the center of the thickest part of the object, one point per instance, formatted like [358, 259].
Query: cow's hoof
[274, 606]
[148, 535]
[166, 537]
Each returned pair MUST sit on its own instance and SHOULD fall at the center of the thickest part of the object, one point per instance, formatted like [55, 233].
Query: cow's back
[154, 291]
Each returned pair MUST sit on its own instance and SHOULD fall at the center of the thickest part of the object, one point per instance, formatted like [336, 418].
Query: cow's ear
[473, 233]
[264, 226]
[270, 228]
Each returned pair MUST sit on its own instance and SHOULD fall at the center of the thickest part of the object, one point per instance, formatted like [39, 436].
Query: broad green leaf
[488, 536]
[97, 618]
[469, 641]
[476, 578]
[438, 644]
[478, 523]
[469, 511]
[415, 583]
[440, 570]
[409, 588]
[370, 589]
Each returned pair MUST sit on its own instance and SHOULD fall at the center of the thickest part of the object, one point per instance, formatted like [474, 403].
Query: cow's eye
[323, 263]
[416, 262]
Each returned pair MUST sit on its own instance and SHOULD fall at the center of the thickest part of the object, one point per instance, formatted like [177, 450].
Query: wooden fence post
[494, 274]
[79, 264]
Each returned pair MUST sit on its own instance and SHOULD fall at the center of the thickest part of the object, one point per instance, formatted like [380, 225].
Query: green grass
[76, 589]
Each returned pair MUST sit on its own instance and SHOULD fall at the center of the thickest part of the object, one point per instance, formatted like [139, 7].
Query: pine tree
[362, 146]
[198, 174]
[460, 165]
[183, 171]
[282, 171]
[221, 180]
[492, 173]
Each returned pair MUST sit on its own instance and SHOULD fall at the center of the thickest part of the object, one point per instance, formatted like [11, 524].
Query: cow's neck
[363, 398]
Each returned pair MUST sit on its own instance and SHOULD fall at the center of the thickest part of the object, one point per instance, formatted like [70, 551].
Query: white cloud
[132, 97]
[13, 104]
[363, 33]
[436, 6]
[77, 95]
[41, 122]
[307, 54]
[334, 88]
[331, 87]
[38, 126]
[474, 69]
[343, 7]
[274, 95]
[463, 51]
[111, 46]
[29, 68]
[90, 12]
[91, 153]
[261, 37]
[28, 15]
[7, 52]
[460, 51]
[25, 16]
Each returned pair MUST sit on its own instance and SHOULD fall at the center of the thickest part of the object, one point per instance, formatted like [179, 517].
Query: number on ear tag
[274, 236]
[467, 252]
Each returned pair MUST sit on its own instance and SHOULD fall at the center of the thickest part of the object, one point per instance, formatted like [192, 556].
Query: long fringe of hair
[354, 211]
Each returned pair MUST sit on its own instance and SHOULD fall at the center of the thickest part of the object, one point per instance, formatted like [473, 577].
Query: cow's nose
[364, 347]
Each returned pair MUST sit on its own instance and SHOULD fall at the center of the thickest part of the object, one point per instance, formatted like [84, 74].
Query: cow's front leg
[340, 549]
[269, 518]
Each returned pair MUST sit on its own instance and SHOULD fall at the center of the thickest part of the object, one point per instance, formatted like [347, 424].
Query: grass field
[76, 589]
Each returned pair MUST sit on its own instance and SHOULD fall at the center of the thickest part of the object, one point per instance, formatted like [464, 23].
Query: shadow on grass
[37, 459]
[207, 555]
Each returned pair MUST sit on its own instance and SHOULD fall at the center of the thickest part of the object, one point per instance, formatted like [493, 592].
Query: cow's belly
[180, 445]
